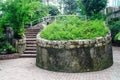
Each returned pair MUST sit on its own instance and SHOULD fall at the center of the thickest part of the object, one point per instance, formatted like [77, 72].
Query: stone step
[30, 42]
[30, 48]
[33, 30]
[27, 34]
[31, 39]
[30, 52]
[30, 36]
[28, 56]
[31, 33]
[31, 45]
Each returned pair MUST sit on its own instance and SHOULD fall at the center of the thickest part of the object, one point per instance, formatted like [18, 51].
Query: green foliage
[2, 37]
[16, 13]
[53, 10]
[1, 30]
[117, 37]
[6, 47]
[73, 28]
[91, 7]
[114, 27]
[70, 6]
[97, 16]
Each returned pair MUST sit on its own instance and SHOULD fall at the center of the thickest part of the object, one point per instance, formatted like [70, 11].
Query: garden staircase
[31, 34]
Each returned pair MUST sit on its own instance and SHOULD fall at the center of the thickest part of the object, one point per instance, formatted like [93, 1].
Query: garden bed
[74, 55]
[74, 45]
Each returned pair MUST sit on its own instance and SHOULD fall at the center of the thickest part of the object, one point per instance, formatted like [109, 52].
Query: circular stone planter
[74, 55]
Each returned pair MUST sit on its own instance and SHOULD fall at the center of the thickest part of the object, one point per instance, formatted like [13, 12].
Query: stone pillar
[9, 35]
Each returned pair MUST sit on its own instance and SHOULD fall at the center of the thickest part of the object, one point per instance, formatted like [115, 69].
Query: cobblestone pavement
[25, 69]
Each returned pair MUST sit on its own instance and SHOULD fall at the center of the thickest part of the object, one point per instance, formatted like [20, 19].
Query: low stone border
[70, 44]
[9, 56]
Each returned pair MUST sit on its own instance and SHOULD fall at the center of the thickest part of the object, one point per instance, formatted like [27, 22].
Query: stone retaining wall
[74, 55]
[20, 45]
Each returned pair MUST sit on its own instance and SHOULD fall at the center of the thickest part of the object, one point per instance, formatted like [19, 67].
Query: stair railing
[46, 20]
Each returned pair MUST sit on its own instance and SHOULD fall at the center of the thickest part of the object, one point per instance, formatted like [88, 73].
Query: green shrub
[97, 16]
[53, 10]
[114, 26]
[16, 13]
[71, 28]
[117, 37]
[6, 47]
[2, 37]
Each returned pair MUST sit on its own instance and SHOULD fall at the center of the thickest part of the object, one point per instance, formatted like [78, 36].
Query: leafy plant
[70, 28]
[117, 37]
[70, 6]
[2, 37]
[6, 47]
[91, 7]
[53, 10]
[114, 26]
[97, 16]
[16, 13]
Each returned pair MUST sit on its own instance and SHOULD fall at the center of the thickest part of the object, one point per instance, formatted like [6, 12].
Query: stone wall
[74, 55]
[20, 45]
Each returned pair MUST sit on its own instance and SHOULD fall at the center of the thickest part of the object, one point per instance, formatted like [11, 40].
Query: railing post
[55, 18]
[30, 24]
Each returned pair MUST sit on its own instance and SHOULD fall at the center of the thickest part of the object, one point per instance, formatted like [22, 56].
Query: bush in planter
[61, 47]
[72, 28]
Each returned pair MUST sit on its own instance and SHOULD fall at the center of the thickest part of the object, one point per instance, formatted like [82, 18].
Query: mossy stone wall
[74, 55]
[20, 45]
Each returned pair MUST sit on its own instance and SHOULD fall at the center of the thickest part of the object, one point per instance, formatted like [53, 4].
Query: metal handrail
[46, 19]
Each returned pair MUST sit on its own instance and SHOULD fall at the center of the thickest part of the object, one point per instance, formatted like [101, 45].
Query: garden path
[25, 69]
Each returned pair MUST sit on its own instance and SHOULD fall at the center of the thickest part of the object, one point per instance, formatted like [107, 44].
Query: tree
[91, 7]
[70, 6]
[16, 13]
[53, 10]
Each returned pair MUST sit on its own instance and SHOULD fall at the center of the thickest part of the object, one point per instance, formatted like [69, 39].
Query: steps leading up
[31, 34]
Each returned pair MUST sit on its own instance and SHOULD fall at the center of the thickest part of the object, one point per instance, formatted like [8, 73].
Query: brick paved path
[25, 69]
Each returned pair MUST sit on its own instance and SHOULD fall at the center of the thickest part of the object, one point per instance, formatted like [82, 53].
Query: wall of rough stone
[20, 45]
[74, 55]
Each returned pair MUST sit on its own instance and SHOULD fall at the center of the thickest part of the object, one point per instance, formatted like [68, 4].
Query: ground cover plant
[5, 47]
[73, 28]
